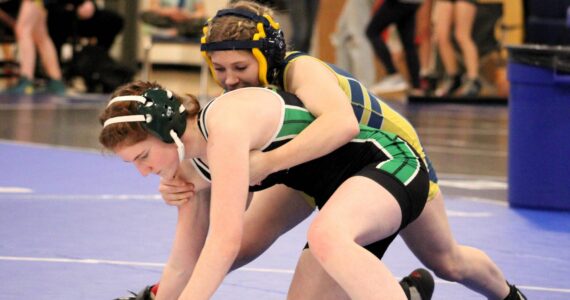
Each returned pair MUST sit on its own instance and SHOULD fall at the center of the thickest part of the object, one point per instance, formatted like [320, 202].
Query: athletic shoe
[148, 293]
[417, 93]
[390, 84]
[56, 87]
[24, 87]
[515, 293]
[471, 88]
[428, 84]
[449, 86]
[418, 285]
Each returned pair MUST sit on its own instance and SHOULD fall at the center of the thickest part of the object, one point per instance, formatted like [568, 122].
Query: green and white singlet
[374, 153]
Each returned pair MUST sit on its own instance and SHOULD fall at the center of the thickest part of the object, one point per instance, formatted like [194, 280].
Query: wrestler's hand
[259, 166]
[176, 191]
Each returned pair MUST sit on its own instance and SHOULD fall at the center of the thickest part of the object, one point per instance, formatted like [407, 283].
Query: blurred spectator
[426, 48]
[303, 14]
[8, 14]
[401, 13]
[69, 20]
[353, 51]
[459, 14]
[31, 34]
[185, 17]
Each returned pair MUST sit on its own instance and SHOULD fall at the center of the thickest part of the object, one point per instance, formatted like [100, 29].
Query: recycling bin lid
[546, 56]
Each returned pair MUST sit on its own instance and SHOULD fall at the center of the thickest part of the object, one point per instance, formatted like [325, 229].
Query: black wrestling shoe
[515, 293]
[418, 285]
[146, 294]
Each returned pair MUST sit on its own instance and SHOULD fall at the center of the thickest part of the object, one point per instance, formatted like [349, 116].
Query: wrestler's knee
[321, 241]
[447, 266]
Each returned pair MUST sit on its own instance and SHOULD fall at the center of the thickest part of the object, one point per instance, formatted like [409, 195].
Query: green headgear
[161, 114]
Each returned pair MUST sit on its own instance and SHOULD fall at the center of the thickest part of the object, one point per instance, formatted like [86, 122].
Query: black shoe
[145, 294]
[449, 86]
[25, 86]
[515, 293]
[418, 285]
[471, 88]
[428, 84]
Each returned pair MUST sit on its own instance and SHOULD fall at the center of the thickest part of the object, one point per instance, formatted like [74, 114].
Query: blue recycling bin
[539, 127]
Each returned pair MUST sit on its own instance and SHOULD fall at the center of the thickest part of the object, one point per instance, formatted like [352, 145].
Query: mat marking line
[257, 270]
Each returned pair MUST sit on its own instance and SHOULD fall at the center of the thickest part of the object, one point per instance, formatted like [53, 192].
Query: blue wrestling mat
[82, 225]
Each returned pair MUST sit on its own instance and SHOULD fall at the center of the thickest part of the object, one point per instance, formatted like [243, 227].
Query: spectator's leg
[443, 23]
[407, 30]
[384, 16]
[45, 46]
[464, 13]
[27, 19]
[424, 37]
[303, 14]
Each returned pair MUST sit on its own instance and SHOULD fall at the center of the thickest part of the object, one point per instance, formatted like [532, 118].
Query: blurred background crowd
[419, 48]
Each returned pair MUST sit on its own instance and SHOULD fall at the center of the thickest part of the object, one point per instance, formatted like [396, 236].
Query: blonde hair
[236, 28]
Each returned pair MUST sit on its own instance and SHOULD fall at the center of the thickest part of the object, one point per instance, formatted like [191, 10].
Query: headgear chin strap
[160, 113]
[267, 45]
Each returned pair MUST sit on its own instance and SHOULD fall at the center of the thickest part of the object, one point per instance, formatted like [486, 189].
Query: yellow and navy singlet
[369, 110]
[319, 178]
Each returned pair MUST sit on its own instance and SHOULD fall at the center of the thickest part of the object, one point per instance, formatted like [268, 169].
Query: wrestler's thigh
[367, 211]
[429, 236]
[275, 211]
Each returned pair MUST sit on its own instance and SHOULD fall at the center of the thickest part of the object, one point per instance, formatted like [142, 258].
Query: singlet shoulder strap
[202, 169]
[293, 55]
[202, 119]
[289, 57]
[200, 166]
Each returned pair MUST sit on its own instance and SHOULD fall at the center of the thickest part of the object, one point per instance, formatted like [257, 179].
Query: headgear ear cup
[159, 112]
[205, 53]
[274, 48]
[267, 44]
[166, 112]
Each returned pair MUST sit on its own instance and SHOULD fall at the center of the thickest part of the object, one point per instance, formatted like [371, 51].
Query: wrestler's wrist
[275, 161]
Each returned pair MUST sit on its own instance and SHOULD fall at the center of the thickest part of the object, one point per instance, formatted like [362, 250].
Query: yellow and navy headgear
[267, 45]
